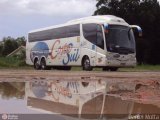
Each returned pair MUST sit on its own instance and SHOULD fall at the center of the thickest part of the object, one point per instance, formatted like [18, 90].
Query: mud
[142, 87]
[7, 74]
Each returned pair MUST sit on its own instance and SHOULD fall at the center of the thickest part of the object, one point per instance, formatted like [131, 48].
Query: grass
[15, 63]
[142, 68]
[137, 68]
[11, 62]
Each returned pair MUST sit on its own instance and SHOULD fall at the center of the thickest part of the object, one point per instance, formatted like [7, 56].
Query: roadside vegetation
[139, 68]
[8, 45]
[12, 62]
[18, 63]
[142, 67]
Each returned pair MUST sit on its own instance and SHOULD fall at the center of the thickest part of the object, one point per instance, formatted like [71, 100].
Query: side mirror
[138, 28]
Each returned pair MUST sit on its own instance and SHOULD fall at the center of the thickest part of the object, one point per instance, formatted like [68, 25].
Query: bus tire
[43, 64]
[67, 68]
[36, 64]
[105, 69]
[86, 64]
[113, 69]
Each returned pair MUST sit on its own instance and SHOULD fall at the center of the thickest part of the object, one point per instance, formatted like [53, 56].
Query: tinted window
[100, 40]
[120, 39]
[93, 33]
[90, 32]
[56, 33]
[73, 30]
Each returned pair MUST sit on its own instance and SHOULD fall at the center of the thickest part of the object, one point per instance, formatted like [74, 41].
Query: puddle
[79, 99]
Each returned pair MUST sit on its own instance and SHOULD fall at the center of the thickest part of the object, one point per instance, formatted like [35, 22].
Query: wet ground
[61, 95]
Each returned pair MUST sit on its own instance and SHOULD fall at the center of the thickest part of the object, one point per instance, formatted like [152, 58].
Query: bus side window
[73, 30]
[90, 32]
[100, 40]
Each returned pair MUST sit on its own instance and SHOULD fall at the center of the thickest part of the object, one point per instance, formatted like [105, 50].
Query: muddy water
[79, 99]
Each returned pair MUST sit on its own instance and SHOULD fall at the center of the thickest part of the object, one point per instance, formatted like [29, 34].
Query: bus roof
[100, 18]
[109, 19]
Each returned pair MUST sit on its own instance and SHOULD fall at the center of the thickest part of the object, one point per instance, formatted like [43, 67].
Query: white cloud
[48, 7]
[17, 17]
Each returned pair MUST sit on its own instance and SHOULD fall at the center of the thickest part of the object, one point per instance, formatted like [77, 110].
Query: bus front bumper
[118, 63]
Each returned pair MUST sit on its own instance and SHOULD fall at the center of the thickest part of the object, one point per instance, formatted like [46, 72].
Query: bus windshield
[120, 39]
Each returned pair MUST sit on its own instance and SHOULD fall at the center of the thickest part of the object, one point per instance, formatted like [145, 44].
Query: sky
[18, 17]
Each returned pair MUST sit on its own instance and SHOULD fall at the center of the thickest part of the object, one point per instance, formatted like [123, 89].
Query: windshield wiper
[121, 50]
[124, 49]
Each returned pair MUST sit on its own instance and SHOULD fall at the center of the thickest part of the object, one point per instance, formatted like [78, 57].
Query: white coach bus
[96, 41]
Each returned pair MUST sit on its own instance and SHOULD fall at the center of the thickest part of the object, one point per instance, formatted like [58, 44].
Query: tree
[145, 13]
[21, 41]
[12, 90]
[9, 45]
[1, 48]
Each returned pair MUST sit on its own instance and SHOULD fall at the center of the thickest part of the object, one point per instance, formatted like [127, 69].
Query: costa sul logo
[62, 90]
[65, 49]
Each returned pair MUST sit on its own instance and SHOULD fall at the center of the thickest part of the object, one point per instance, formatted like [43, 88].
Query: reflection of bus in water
[76, 99]
[97, 41]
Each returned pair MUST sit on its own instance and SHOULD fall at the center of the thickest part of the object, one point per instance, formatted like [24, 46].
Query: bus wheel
[105, 69]
[113, 69]
[67, 68]
[36, 64]
[43, 64]
[86, 64]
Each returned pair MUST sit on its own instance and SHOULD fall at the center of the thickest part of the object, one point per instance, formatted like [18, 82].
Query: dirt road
[6, 74]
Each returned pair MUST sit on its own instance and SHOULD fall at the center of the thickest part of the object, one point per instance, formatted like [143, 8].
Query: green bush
[11, 62]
